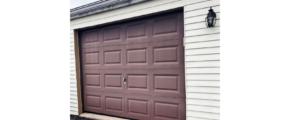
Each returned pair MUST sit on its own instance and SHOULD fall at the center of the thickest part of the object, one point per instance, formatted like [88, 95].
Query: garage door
[135, 69]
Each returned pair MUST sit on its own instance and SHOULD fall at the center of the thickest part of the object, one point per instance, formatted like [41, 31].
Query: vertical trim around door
[78, 73]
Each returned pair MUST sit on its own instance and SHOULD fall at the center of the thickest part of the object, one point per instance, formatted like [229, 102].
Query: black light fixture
[210, 19]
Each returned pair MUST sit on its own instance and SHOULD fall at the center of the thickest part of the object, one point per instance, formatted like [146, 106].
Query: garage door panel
[168, 109]
[168, 53]
[91, 58]
[108, 35]
[141, 41]
[110, 103]
[137, 82]
[93, 101]
[135, 69]
[169, 27]
[91, 38]
[92, 80]
[147, 82]
[98, 81]
[114, 104]
[168, 82]
[160, 55]
[113, 81]
[165, 54]
[137, 56]
[165, 25]
[94, 58]
[136, 31]
[112, 57]
[112, 34]
[138, 107]
[107, 56]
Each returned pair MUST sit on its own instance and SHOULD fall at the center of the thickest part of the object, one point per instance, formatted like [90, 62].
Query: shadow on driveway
[73, 117]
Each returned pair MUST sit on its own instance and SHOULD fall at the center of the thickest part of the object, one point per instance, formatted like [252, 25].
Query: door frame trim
[78, 72]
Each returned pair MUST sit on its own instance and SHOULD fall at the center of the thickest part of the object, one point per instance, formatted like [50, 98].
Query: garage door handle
[124, 79]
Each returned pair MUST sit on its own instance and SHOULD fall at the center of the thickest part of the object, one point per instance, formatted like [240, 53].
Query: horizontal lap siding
[73, 100]
[202, 57]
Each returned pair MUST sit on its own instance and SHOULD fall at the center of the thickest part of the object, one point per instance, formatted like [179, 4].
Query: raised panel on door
[91, 59]
[91, 38]
[138, 31]
[168, 108]
[167, 27]
[169, 54]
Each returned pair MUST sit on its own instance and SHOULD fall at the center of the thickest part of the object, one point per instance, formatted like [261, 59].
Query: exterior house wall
[202, 62]
[201, 51]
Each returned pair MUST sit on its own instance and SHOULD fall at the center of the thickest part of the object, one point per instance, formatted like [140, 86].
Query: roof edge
[100, 6]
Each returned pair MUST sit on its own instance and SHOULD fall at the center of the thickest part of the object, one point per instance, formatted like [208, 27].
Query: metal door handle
[124, 80]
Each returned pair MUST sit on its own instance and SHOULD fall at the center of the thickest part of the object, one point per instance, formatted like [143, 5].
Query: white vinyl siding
[202, 52]
[202, 57]
[73, 80]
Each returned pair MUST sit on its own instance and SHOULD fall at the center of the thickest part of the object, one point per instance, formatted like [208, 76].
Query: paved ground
[75, 117]
[99, 117]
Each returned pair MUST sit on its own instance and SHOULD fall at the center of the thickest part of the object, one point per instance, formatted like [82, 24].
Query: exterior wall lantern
[210, 19]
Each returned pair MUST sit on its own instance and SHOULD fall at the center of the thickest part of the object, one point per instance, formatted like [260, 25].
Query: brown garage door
[135, 69]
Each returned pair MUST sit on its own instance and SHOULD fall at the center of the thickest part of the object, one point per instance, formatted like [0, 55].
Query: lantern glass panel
[210, 21]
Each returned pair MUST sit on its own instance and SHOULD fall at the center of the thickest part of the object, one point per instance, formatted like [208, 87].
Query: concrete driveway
[100, 117]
